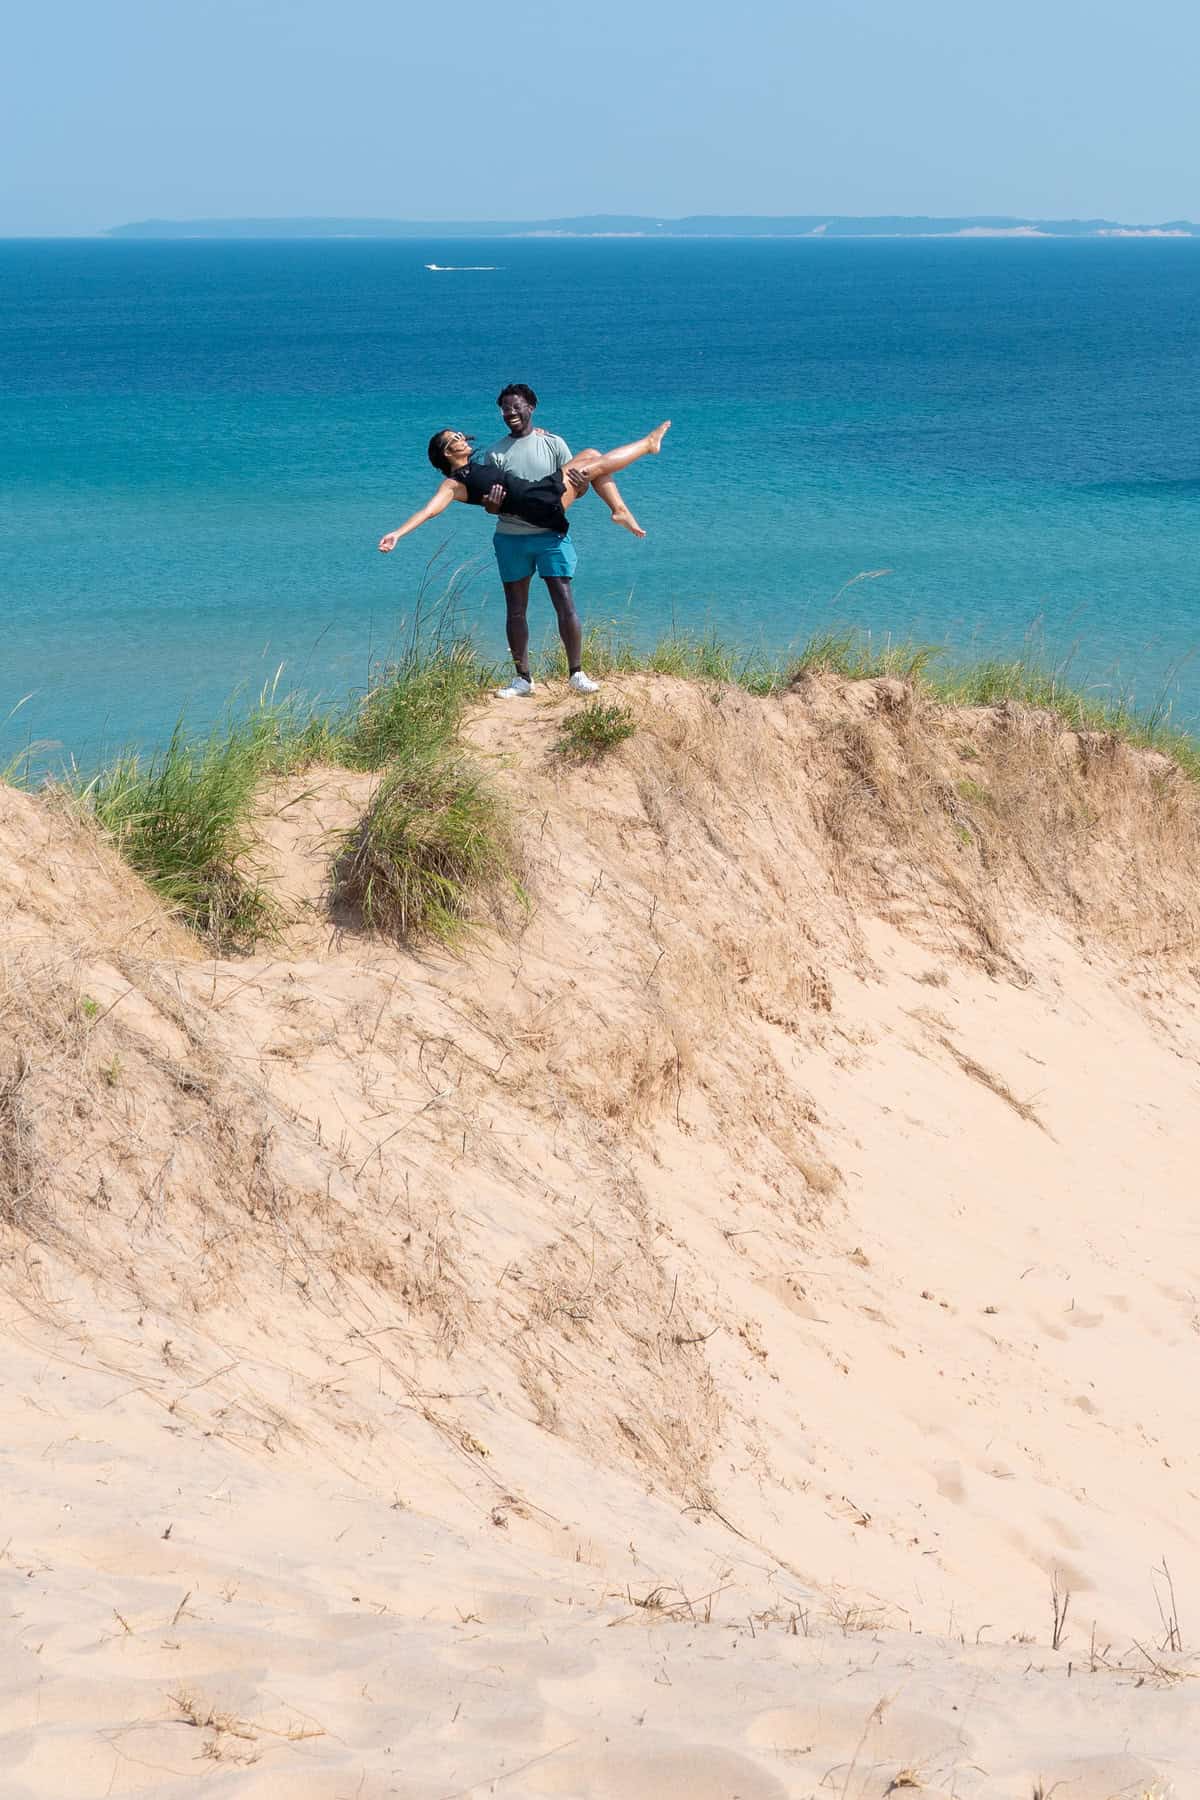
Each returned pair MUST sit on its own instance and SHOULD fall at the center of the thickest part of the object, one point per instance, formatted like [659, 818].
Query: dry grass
[201, 1715]
[17, 1164]
[46, 1024]
[228, 1734]
[976, 1071]
[1101, 832]
[950, 823]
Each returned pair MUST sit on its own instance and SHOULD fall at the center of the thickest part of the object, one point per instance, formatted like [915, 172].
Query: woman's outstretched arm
[448, 491]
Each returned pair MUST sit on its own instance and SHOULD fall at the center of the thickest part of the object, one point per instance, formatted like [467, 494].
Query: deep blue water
[201, 443]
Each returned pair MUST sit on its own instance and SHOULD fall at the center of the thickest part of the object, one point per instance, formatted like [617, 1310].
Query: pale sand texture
[671, 1350]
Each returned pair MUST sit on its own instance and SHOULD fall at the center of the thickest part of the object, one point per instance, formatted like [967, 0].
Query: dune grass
[435, 839]
[437, 834]
[179, 817]
[1025, 681]
[692, 656]
[413, 708]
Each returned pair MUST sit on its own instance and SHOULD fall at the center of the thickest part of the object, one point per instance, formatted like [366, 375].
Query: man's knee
[559, 588]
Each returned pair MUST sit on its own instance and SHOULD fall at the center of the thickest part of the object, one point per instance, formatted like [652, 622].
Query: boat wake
[463, 268]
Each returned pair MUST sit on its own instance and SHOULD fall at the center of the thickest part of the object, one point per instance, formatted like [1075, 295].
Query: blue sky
[122, 109]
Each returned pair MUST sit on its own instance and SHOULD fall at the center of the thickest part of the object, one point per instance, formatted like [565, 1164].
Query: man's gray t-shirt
[530, 457]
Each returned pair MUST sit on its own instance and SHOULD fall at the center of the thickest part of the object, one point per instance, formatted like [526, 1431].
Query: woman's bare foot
[654, 438]
[623, 517]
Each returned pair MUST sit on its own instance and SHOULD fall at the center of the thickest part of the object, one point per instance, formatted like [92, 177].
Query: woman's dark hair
[437, 449]
[520, 390]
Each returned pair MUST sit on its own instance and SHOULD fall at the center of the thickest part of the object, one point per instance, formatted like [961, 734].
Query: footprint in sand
[699, 1772]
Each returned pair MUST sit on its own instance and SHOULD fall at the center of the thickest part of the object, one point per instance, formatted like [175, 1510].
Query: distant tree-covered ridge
[629, 225]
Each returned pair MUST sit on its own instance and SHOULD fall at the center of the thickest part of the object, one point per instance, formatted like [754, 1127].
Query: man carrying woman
[530, 479]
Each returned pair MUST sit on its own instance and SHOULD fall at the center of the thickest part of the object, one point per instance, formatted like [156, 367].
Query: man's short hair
[520, 390]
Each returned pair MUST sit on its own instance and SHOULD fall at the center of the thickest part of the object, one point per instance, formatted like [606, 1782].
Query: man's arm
[562, 456]
[493, 500]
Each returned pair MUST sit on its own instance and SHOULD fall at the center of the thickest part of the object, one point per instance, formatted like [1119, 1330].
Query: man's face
[517, 413]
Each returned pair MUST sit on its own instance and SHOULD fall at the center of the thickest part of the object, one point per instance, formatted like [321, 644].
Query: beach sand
[689, 1344]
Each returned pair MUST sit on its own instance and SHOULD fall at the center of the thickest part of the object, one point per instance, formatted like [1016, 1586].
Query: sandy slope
[673, 1349]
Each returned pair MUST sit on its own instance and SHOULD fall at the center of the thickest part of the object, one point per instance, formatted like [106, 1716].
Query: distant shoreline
[701, 226]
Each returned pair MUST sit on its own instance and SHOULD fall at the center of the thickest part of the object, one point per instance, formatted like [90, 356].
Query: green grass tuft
[413, 709]
[179, 818]
[690, 656]
[435, 839]
[855, 656]
[595, 729]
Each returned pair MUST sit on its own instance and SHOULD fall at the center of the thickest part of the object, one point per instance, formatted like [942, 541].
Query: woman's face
[457, 447]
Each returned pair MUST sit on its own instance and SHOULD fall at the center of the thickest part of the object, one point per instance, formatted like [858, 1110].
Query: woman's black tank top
[539, 502]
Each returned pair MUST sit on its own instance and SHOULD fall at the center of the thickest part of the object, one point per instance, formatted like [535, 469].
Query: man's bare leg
[516, 623]
[569, 628]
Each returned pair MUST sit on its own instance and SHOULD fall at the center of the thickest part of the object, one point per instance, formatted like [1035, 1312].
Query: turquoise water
[201, 443]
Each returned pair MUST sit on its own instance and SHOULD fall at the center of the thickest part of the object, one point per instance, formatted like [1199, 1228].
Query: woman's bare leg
[596, 464]
[606, 490]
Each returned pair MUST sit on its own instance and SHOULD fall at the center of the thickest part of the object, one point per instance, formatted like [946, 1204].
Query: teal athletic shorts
[524, 553]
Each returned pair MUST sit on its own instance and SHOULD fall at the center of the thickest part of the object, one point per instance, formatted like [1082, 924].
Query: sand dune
[681, 1346]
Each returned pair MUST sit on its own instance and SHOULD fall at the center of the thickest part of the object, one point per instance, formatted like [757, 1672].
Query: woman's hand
[448, 490]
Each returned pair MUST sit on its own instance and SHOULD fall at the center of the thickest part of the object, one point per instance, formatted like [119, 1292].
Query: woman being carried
[542, 503]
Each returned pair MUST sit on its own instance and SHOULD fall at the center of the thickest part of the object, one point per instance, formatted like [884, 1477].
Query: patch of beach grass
[413, 709]
[435, 842]
[179, 817]
[1026, 682]
[594, 730]
[858, 656]
[1023, 682]
[689, 656]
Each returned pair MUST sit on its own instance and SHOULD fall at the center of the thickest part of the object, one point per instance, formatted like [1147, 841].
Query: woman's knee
[584, 463]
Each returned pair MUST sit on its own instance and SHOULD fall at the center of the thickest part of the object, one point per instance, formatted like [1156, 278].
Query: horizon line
[645, 226]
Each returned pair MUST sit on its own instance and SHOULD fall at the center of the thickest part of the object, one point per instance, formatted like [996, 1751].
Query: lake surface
[201, 444]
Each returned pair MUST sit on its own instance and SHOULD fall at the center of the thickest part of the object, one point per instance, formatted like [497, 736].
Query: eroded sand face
[674, 1349]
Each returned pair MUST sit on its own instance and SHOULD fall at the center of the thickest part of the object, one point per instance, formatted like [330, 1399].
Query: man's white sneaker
[518, 687]
[583, 684]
